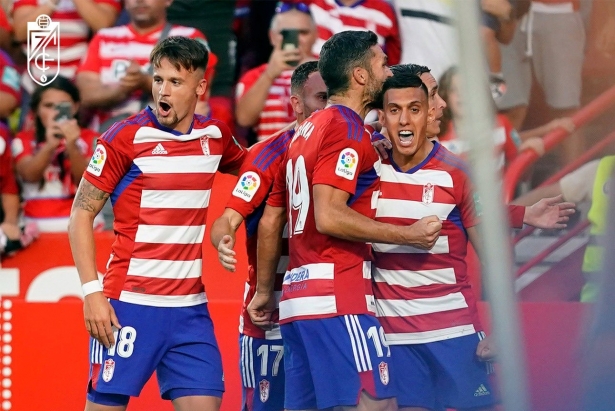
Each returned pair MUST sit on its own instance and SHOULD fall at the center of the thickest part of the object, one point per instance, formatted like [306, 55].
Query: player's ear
[360, 75]
[431, 115]
[381, 117]
[295, 102]
[201, 87]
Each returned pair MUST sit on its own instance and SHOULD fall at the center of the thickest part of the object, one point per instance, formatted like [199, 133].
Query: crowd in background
[536, 56]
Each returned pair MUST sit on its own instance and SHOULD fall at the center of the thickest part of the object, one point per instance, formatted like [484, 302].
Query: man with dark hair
[335, 350]
[261, 351]
[158, 167]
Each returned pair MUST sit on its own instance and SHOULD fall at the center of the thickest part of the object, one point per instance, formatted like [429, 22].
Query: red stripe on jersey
[163, 286]
[175, 252]
[384, 291]
[415, 262]
[48, 207]
[396, 191]
[426, 322]
[173, 216]
[187, 181]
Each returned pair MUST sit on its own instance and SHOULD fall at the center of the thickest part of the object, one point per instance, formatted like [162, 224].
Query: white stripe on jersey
[408, 278]
[162, 164]
[169, 234]
[296, 307]
[163, 300]
[153, 135]
[412, 209]
[429, 336]
[441, 247]
[169, 269]
[316, 271]
[175, 198]
[420, 306]
[419, 177]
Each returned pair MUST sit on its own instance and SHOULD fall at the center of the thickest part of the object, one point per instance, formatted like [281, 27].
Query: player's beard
[373, 89]
[169, 121]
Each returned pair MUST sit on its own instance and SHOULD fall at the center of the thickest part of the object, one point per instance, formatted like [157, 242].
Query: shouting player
[261, 366]
[335, 350]
[151, 313]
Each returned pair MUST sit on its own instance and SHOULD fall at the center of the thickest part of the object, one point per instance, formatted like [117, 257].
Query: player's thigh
[261, 365]
[90, 406]
[346, 356]
[462, 381]
[413, 377]
[558, 57]
[191, 403]
[124, 368]
[192, 364]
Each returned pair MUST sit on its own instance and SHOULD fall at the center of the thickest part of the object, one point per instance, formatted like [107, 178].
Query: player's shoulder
[263, 153]
[217, 128]
[446, 160]
[127, 128]
[345, 119]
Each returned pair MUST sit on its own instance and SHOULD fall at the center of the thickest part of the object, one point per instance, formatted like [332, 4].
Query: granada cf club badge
[383, 367]
[428, 190]
[264, 389]
[205, 145]
[108, 370]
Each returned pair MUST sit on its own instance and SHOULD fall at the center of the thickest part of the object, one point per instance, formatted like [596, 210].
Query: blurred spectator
[548, 42]
[263, 93]
[115, 77]
[5, 31]
[76, 18]
[334, 16]
[10, 90]
[50, 159]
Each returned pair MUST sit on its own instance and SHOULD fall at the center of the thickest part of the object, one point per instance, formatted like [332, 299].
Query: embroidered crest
[108, 370]
[264, 390]
[428, 190]
[383, 367]
[205, 145]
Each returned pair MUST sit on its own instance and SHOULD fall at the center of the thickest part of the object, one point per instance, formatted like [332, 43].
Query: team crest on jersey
[383, 368]
[346, 166]
[205, 145]
[264, 390]
[98, 160]
[247, 186]
[108, 370]
[428, 190]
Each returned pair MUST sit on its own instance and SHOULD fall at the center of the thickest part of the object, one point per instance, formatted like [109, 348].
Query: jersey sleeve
[277, 197]
[8, 184]
[20, 3]
[248, 80]
[21, 146]
[253, 185]
[117, 4]
[233, 154]
[344, 153]
[112, 158]
[467, 201]
[91, 62]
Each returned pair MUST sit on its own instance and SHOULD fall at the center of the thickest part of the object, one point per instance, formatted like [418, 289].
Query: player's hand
[485, 351]
[564, 122]
[549, 213]
[99, 318]
[226, 255]
[425, 232]
[134, 78]
[261, 310]
[278, 61]
[53, 135]
[534, 143]
[70, 130]
[382, 146]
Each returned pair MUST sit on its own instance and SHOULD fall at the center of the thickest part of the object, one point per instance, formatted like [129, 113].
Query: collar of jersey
[417, 167]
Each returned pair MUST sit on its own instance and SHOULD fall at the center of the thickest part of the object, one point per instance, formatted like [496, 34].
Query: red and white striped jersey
[378, 16]
[424, 296]
[8, 183]
[277, 111]
[48, 202]
[74, 34]
[160, 182]
[506, 142]
[255, 182]
[111, 51]
[327, 276]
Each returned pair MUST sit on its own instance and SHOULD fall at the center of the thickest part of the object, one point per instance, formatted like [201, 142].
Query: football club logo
[98, 160]
[347, 163]
[383, 367]
[428, 190]
[205, 145]
[108, 370]
[43, 48]
[247, 185]
[264, 390]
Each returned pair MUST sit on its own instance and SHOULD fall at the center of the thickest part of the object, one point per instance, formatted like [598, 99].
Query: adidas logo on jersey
[159, 149]
[481, 390]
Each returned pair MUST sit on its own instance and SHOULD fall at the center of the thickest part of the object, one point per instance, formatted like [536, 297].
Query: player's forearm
[97, 16]
[250, 105]
[269, 248]
[32, 169]
[219, 229]
[77, 162]
[82, 244]
[11, 206]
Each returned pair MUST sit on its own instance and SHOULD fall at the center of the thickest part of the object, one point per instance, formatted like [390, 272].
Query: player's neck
[358, 106]
[408, 162]
[147, 27]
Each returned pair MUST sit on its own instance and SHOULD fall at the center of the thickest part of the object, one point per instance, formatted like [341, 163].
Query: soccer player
[261, 366]
[334, 348]
[151, 313]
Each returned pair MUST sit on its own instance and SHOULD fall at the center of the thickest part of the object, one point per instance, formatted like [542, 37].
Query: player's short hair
[403, 77]
[183, 52]
[300, 76]
[341, 54]
[415, 69]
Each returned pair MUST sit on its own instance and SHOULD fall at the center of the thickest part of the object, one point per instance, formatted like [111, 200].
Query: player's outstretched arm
[223, 237]
[269, 248]
[549, 213]
[334, 217]
[98, 314]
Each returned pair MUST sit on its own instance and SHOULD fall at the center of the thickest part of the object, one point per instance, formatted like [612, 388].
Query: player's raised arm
[98, 314]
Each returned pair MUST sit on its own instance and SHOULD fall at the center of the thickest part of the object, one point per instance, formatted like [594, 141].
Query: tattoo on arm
[89, 198]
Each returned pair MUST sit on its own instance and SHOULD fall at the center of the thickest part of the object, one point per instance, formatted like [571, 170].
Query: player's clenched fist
[425, 232]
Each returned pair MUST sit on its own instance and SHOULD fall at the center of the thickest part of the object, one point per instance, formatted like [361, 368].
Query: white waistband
[552, 8]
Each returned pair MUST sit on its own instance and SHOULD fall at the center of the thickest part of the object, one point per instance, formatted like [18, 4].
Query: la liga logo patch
[98, 160]
[247, 185]
[346, 166]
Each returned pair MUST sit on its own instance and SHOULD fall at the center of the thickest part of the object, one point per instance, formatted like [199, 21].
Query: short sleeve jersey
[160, 182]
[327, 276]
[255, 182]
[425, 296]
[8, 184]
